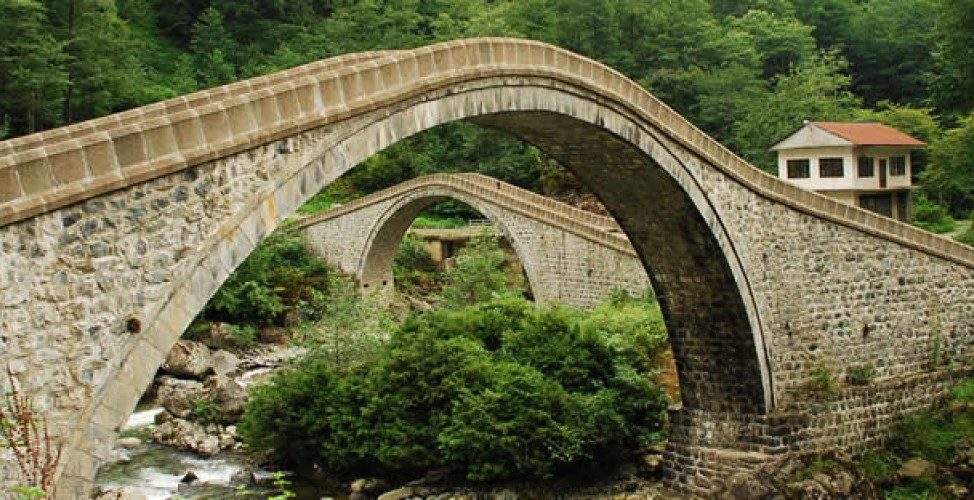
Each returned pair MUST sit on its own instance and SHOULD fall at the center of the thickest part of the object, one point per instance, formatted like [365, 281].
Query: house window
[798, 169]
[830, 167]
[897, 165]
[866, 168]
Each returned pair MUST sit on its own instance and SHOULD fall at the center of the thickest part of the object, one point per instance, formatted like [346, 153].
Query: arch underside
[375, 268]
[708, 322]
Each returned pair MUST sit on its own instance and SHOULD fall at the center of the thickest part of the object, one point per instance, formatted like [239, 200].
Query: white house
[863, 164]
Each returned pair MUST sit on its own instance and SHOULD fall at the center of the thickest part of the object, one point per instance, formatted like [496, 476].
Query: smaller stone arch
[376, 262]
[568, 255]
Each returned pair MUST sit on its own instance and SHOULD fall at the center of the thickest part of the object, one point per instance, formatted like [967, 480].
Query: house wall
[850, 157]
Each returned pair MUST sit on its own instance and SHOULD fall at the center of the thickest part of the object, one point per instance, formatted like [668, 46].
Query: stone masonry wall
[562, 266]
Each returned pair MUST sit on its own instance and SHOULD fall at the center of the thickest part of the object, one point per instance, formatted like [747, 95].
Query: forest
[745, 71]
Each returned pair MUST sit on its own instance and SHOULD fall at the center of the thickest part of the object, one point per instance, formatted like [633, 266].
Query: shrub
[931, 216]
[501, 389]
[479, 275]
[277, 275]
[206, 411]
[821, 378]
[967, 237]
[860, 374]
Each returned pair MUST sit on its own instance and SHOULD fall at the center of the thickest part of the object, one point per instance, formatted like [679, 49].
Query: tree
[951, 169]
[213, 49]
[955, 56]
[32, 68]
[889, 46]
[479, 275]
[103, 72]
[818, 90]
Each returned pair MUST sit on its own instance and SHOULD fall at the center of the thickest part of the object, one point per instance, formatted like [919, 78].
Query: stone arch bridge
[569, 255]
[115, 232]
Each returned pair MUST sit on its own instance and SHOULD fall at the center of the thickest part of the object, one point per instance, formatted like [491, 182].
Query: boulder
[178, 396]
[220, 336]
[123, 493]
[185, 435]
[916, 468]
[225, 362]
[189, 358]
[273, 335]
[801, 475]
[129, 442]
[230, 396]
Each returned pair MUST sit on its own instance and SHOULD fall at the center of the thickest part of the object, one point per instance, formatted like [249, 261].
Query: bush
[821, 378]
[479, 275]
[931, 216]
[501, 389]
[967, 237]
[860, 374]
[276, 276]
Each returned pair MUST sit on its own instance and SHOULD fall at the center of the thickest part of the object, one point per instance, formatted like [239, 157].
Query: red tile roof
[869, 134]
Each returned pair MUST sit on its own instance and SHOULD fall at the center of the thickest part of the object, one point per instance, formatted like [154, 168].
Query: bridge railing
[59, 167]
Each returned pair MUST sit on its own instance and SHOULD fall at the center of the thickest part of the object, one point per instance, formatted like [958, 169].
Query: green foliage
[336, 193]
[345, 328]
[860, 374]
[879, 466]
[479, 275]
[967, 237]
[284, 486]
[277, 275]
[951, 169]
[924, 488]
[439, 222]
[931, 216]
[937, 435]
[821, 378]
[206, 411]
[502, 389]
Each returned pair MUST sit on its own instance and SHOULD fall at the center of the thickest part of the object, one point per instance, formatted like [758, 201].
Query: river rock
[185, 435]
[178, 396]
[243, 477]
[915, 468]
[189, 358]
[123, 493]
[832, 476]
[129, 442]
[273, 335]
[398, 494]
[229, 395]
[220, 336]
[225, 362]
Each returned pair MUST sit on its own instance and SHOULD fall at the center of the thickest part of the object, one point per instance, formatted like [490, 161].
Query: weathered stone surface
[178, 396]
[124, 493]
[230, 396]
[225, 362]
[916, 468]
[189, 358]
[185, 435]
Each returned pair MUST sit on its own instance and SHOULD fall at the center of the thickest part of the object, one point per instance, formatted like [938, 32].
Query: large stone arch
[142, 215]
[691, 259]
